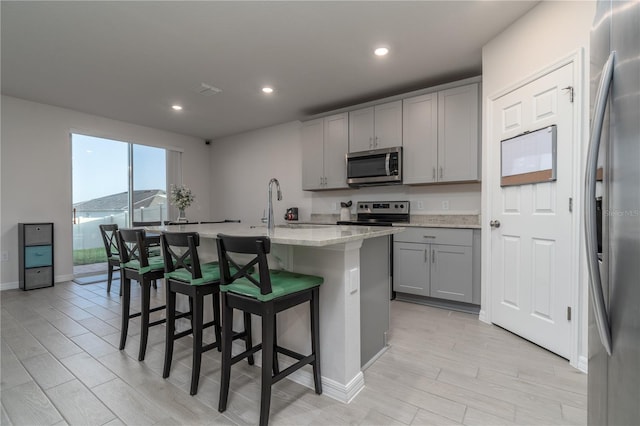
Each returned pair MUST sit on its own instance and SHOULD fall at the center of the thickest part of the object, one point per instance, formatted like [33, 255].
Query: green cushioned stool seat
[210, 273]
[156, 263]
[282, 283]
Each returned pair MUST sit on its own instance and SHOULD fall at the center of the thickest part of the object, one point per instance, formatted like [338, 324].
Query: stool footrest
[304, 361]
[158, 322]
[182, 334]
[183, 315]
[210, 346]
[157, 308]
[289, 353]
[246, 353]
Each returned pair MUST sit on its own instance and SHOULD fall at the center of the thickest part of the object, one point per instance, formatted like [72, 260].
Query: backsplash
[453, 199]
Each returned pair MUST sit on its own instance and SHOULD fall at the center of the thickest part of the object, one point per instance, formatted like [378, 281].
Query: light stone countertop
[289, 234]
[460, 221]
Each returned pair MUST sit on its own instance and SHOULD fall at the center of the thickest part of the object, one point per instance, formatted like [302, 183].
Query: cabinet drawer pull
[425, 256]
[433, 257]
[429, 236]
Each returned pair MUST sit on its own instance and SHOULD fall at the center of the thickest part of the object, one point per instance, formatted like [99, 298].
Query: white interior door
[531, 249]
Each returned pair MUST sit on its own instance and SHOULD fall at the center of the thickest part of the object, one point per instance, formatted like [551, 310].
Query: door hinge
[570, 89]
[571, 204]
[568, 313]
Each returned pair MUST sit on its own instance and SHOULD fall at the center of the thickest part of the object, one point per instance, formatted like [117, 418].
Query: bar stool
[108, 233]
[264, 293]
[136, 264]
[184, 274]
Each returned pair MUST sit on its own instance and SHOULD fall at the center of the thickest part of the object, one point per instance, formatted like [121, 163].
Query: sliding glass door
[111, 179]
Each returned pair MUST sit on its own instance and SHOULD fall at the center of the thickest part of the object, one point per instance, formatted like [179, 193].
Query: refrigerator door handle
[595, 283]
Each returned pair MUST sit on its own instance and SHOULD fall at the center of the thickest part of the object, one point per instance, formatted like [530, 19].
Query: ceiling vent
[207, 90]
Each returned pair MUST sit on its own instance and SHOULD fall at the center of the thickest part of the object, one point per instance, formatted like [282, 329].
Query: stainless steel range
[380, 213]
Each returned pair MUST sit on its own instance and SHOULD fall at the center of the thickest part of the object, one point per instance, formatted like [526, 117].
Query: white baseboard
[583, 364]
[16, 284]
[9, 286]
[331, 388]
[375, 358]
[482, 316]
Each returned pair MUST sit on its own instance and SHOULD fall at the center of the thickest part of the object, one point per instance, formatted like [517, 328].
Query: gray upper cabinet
[441, 136]
[458, 134]
[325, 142]
[376, 127]
[420, 139]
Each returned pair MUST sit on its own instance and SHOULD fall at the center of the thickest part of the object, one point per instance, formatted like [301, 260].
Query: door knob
[495, 224]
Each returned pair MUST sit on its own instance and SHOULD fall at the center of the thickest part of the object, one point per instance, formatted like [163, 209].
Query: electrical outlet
[420, 205]
[5, 256]
[445, 205]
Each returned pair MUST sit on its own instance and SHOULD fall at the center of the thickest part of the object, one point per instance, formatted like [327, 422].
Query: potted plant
[181, 197]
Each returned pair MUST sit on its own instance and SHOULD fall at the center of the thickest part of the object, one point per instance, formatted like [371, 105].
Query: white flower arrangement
[181, 196]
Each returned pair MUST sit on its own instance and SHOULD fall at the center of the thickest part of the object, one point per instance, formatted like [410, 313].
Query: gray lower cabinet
[434, 262]
[411, 266]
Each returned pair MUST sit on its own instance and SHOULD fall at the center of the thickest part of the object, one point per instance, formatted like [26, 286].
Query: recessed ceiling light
[176, 107]
[381, 51]
[267, 90]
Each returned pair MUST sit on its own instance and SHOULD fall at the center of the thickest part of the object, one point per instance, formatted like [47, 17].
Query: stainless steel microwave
[375, 167]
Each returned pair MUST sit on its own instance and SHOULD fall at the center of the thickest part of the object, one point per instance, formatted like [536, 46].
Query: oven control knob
[396, 206]
[402, 206]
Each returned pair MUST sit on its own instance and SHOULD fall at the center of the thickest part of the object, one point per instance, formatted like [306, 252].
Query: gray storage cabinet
[35, 241]
[434, 262]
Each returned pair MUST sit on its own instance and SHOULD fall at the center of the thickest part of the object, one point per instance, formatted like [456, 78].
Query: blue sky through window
[100, 167]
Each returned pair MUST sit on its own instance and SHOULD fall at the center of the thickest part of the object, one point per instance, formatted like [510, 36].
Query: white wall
[242, 165]
[36, 172]
[549, 32]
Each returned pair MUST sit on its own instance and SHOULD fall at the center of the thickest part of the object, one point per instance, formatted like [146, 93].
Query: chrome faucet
[270, 221]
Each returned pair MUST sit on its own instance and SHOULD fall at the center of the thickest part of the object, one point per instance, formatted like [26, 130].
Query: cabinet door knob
[494, 224]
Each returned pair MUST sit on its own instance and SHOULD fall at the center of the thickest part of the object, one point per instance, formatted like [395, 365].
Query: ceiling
[131, 61]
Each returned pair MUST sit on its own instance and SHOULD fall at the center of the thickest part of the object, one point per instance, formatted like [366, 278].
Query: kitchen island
[354, 261]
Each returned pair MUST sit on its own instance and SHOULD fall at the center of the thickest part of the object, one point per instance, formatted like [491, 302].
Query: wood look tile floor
[61, 365]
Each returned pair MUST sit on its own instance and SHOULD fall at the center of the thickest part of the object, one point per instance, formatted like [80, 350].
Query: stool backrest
[259, 246]
[132, 246]
[186, 255]
[110, 240]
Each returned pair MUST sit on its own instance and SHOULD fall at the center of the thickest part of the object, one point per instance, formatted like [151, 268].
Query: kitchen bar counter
[297, 234]
[354, 261]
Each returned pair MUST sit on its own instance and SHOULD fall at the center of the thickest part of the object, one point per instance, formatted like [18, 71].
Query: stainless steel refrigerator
[612, 215]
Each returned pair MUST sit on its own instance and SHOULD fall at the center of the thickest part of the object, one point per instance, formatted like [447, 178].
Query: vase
[182, 217]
